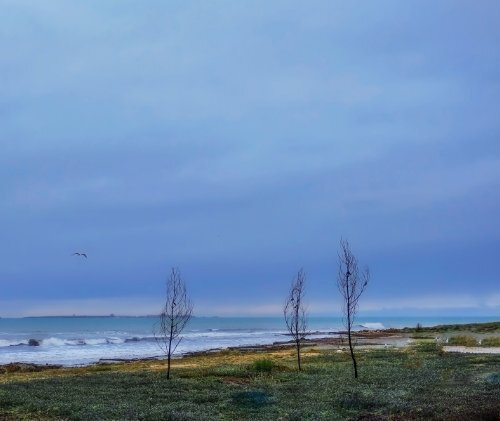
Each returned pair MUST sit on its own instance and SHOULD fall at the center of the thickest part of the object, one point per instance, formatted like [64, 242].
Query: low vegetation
[491, 341]
[489, 327]
[464, 340]
[418, 382]
[264, 365]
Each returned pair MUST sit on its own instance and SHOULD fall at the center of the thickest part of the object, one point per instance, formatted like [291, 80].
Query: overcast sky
[238, 141]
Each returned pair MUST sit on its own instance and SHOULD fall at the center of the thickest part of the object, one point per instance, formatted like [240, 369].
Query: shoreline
[338, 341]
[365, 339]
[368, 338]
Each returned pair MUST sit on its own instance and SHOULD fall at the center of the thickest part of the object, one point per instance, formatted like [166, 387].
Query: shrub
[263, 365]
[491, 341]
[428, 347]
[464, 340]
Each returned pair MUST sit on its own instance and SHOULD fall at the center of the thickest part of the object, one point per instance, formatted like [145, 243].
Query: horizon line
[112, 315]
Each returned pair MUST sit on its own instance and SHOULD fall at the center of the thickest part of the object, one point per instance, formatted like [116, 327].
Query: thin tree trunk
[170, 342]
[298, 355]
[352, 354]
[169, 352]
[349, 329]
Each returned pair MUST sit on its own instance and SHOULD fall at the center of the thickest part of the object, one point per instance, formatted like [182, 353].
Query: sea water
[73, 341]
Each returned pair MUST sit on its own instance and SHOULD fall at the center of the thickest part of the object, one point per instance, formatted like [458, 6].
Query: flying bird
[79, 254]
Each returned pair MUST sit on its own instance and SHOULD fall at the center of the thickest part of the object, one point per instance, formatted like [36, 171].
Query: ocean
[75, 341]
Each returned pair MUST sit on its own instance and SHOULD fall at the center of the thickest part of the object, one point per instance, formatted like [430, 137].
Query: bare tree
[175, 315]
[351, 283]
[294, 312]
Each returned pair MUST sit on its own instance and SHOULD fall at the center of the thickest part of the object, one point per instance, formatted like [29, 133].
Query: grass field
[419, 382]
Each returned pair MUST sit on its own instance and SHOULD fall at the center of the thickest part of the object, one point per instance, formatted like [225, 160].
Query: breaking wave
[54, 342]
[374, 326]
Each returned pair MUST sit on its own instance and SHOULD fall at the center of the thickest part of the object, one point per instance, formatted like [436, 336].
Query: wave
[6, 342]
[223, 336]
[217, 335]
[138, 339]
[375, 325]
[56, 342]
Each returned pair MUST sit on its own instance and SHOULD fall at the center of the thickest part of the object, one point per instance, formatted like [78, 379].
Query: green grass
[418, 383]
[489, 327]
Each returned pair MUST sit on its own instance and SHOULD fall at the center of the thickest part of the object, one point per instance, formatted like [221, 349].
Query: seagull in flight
[79, 254]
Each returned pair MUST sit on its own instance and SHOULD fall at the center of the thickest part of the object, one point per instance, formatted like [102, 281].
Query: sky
[240, 141]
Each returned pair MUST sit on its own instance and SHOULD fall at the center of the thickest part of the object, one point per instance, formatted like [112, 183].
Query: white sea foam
[59, 342]
[96, 341]
[115, 340]
[7, 342]
[375, 325]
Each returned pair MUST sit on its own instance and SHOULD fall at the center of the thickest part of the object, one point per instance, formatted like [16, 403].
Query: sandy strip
[472, 349]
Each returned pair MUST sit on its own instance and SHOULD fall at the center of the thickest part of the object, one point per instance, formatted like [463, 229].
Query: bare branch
[174, 317]
[294, 312]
